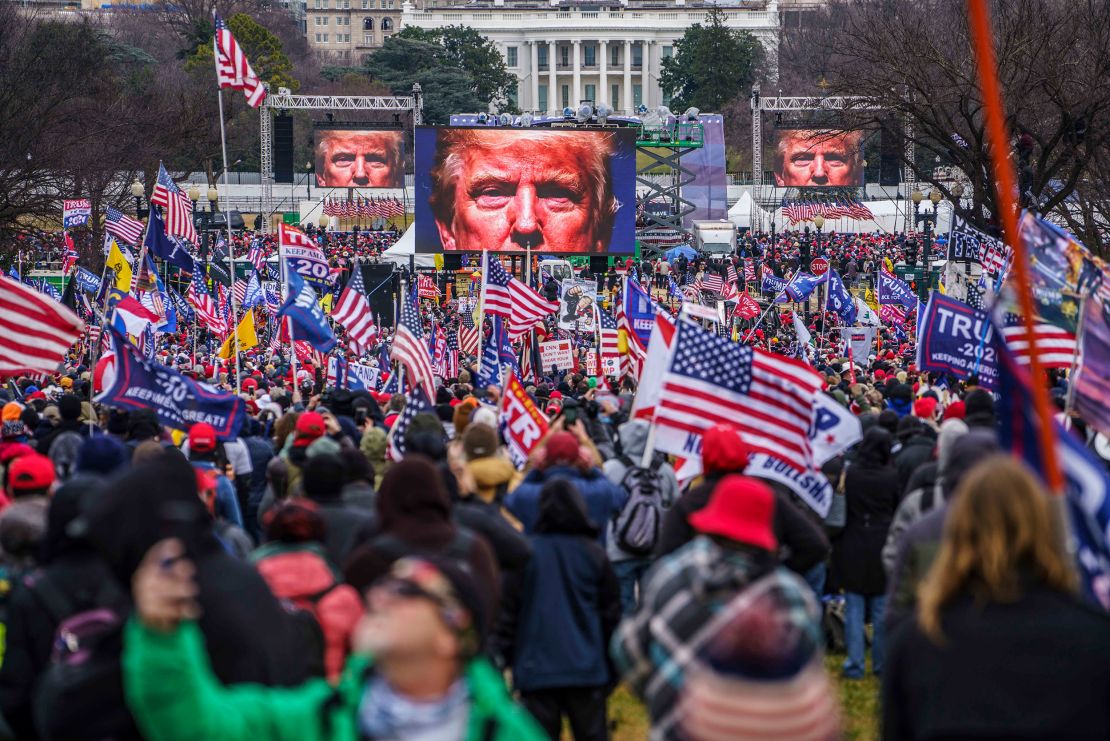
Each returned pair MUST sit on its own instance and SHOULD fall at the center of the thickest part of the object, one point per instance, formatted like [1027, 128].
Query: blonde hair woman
[1001, 647]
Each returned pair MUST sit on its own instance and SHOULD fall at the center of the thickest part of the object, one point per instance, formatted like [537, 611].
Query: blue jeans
[857, 608]
[815, 578]
[629, 573]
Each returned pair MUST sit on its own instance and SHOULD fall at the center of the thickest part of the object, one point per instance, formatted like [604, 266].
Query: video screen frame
[374, 156]
[467, 202]
[819, 157]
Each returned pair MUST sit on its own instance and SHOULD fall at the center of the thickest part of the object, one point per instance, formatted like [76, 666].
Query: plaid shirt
[686, 597]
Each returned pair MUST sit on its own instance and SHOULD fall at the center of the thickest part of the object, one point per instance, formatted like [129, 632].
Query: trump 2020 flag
[309, 322]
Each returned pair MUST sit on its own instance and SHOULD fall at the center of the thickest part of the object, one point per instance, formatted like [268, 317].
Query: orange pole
[1006, 184]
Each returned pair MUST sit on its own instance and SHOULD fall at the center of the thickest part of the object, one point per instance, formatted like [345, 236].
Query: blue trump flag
[178, 401]
[799, 288]
[496, 351]
[160, 245]
[840, 301]
[640, 310]
[1086, 485]
[895, 291]
[309, 322]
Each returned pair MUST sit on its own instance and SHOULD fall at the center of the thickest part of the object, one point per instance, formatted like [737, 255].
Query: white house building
[564, 52]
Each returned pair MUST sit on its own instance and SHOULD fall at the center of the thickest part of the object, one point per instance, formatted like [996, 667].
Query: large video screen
[819, 158]
[349, 157]
[511, 189]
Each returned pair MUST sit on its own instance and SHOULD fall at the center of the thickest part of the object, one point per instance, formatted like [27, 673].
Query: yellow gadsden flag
[118, 263]
[248, 337]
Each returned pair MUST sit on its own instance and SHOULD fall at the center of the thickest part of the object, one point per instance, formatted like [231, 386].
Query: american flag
[207, 312]
[858, 211]
[1056, 347]
[713, 283]
[36, 331]
[122, 226]
[633, 362]
[505, 296]
[468, 333]
[749, 270]
[178, 207]
[730, 274]
[415, 403]
[768, 397]
[232, 68]
[353, 312]
[610, 335]
[451, 361]
[409, 348]
[257, 257]
[239, 291]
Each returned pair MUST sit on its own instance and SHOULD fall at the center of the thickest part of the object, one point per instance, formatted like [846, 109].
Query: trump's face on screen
[513, 189]
[815, 158]
[359, 159]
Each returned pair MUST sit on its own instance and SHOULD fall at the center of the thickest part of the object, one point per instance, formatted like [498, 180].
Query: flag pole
[1005, 181]
[481, 309]
[227, 222]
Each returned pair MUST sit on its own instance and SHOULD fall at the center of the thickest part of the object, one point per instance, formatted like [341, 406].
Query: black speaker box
[381, 287]
[283, 149]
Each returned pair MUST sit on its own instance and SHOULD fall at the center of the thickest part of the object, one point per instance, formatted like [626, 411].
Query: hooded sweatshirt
[633, 438]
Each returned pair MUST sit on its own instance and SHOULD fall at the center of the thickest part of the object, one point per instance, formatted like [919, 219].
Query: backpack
[80, 695]
[637, 525]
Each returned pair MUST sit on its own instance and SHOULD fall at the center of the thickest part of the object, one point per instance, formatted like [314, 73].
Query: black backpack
[636, 527]
[80, 695]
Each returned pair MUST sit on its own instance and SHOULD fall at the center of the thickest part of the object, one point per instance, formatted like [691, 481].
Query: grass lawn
[859, 701]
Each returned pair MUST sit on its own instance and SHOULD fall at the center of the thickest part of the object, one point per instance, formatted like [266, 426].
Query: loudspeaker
[283, 149]
[381, 286]
[890, 150]
[452, 261]
[599, 264]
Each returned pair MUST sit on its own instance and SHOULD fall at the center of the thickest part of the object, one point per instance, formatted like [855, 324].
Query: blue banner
[800, 287]
[772, 285]
[895, 291]
[159, 244]
[640, 310]
[955, 338]
[840, 301]
[87, 281]
[179, 401]
[490, 372]
[309, 322]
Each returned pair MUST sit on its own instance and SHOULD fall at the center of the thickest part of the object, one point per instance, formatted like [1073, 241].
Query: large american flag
[410, 349]
[711, 381]
[415, 402]
[1056, 347]
[178, 207]
[353, 312]
[713, 283]
[207, 312]
[232, 68]
[36, 331]
[505, 296]
[609, 334]
[469, 334]
[122, 226]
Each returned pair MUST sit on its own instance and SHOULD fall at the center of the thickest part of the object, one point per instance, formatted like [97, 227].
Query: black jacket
[1033, 669]
[510, 546]
[803, 541]
[915, 451]
[561, 613]
[872, 495]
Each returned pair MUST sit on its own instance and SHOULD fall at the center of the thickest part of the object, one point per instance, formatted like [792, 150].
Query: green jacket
[186, 701]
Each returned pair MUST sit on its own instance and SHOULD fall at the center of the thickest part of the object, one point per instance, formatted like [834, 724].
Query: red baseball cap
[722, 449]
[562, 447]
[925, 407]
[310, 426]
[202, 438]
[29, 472]
[740, 509]
[250, 383]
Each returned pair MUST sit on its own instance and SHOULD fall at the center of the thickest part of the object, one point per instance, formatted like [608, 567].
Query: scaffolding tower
[661, 208]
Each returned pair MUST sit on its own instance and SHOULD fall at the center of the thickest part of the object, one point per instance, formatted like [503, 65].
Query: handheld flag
[248, 338]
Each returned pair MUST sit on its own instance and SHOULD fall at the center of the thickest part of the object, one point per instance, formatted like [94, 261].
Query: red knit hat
[722, 449]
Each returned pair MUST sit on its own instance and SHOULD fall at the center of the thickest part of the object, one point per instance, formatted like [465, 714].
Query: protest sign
[810, 485]
[955, 338]
[858, 341]
[522, 423]
[576, 304]
[591, 362]
[557, 354]
[76, 212]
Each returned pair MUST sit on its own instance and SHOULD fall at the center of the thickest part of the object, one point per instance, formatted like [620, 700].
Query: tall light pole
[139, 192]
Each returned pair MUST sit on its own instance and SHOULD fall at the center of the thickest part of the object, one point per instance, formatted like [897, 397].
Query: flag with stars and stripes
[609, 334]
[206, 311]
[409, 347]
[122, 226]
[710, 381]
[353, 312]
[505, 296]
[469, 334]
[232, 68]
[416, 402]
[256, 257]
[178, 207]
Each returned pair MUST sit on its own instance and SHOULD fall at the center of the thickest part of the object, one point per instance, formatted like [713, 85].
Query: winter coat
[493, 476]
[1034, 668]
[871, 498]
[174, 697]
[562, 613]
[302, 574]
[249, 636]
[603, 498]
[510, 546]
[802, 540]
[633, 440]
[915, 451]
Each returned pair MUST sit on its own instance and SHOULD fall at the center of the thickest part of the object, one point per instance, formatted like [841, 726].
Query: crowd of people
[300, 580]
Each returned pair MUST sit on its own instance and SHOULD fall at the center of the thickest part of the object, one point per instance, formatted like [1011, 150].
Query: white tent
[889, 216]
[404, 248]
[741, 212]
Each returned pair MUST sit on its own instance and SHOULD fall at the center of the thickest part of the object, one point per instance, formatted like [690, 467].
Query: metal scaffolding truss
[284, 100]
[780, 104]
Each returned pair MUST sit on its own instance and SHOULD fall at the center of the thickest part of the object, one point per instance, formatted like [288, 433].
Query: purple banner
[955, 338]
